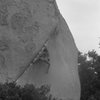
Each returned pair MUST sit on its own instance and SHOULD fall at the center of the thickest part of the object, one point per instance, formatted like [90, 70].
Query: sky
[83, 19]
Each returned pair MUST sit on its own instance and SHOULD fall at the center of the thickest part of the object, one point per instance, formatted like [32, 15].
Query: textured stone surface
[28, 24]
[26, 30]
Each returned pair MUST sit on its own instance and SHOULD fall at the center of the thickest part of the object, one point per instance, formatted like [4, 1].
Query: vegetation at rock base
[89, 72]
[12, 91]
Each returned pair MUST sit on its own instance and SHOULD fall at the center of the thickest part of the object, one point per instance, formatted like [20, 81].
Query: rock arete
[26, 26]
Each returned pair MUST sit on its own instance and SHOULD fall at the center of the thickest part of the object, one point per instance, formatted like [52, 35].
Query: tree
[89, 75]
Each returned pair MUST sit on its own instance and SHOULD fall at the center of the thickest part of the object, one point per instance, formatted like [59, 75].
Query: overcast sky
[83, 18]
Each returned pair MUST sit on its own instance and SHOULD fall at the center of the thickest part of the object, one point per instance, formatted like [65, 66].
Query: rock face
[26, 26]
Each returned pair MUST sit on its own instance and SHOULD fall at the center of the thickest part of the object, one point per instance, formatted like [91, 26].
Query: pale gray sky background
[83, 18]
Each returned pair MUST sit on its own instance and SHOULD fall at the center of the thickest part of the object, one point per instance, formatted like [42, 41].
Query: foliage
[12, 91]
[89, 72]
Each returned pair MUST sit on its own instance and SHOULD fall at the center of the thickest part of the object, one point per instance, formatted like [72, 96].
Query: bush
[11, 91]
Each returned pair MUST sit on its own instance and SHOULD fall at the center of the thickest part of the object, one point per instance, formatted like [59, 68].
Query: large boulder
[27, 27]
